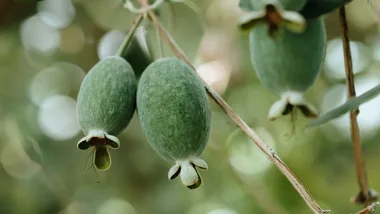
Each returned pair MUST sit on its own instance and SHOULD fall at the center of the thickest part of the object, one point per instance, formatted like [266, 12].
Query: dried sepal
[94, 136]
[275, 18]
[187, 170]
[249, 20]
[199, 163]
[174, 171]
[294, 22]
[100, 141]
[288, 102]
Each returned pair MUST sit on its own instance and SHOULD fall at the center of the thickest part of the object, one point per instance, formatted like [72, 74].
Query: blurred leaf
[349, 105]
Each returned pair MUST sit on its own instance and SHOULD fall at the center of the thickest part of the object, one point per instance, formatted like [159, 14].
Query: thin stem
[370, 209]
[355, 132]
[269, 152]
[130, 34]
[160, 47]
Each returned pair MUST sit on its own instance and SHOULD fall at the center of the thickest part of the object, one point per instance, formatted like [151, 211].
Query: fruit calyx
[100, 141]
[288, 102]
[275, 18]
[187, 170]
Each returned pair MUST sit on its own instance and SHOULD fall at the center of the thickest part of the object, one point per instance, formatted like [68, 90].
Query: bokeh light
[369, 116]
[334, 65]
[116, 206]
[17, 163]
[76, 207]
[216, 74]
[13, 157]
[49, 82]
[222, 211]
[38, 36]
[72, 40]
[57, 117]
[245, 156]
[56, 13]
[110, 43]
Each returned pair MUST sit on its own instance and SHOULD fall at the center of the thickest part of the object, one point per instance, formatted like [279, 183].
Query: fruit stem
[130, 35]
[269, 152]
[364, 196]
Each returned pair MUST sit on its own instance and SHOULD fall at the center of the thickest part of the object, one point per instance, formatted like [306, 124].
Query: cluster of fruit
[172, 107]
[171, 101]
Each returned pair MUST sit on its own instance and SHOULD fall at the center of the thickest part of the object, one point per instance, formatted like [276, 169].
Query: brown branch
[363, 196]
[370, 209]
[269, 152]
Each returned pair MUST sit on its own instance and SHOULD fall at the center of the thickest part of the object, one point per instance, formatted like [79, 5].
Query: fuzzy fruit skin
[316, 8]
[173, 109]
[106, 99]
[291, 62]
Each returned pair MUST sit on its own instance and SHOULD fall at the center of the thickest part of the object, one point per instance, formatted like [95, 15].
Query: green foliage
[350, 105]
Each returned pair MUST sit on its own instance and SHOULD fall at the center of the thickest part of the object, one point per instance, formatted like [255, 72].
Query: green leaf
[348, 106]
[102, 160]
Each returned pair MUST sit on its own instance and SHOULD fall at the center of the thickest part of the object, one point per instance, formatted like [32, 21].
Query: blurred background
[47, 47]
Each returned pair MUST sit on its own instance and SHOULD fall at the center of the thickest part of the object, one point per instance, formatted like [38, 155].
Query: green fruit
[106, 103]
[175, 116]
[316, 8]
[289, 65]
[310, 8]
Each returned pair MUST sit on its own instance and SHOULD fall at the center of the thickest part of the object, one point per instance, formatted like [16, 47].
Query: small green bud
[175, 116]
[106, 104]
